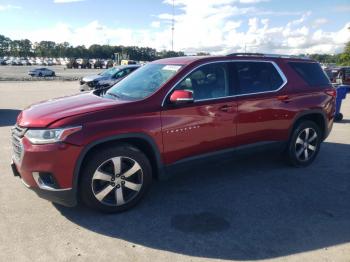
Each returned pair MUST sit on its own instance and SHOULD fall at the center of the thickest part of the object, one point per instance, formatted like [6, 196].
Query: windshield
[110, 72]
[143, 82]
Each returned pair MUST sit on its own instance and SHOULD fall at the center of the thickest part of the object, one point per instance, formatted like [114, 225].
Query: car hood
[95, 78]
[47, 112]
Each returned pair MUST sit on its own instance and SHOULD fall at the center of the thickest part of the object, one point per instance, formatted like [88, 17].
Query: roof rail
[246, 54]
[269, 55]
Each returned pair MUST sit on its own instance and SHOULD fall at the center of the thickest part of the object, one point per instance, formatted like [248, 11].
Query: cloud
[252, 1]
[66, 1]
[319, 22]
[215, 26]
[155, 24]
[8, 7]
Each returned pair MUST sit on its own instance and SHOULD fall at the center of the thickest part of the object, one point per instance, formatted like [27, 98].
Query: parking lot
[21, 73]
[241, 207]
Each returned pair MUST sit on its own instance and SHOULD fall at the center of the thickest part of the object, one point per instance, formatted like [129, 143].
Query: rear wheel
[304, 144]
[115, 179]
[40, 74]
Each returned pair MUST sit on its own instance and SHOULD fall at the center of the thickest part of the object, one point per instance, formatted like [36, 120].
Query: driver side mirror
[181, 97]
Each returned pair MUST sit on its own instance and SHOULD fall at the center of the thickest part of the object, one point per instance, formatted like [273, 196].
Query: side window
[120, 74]
[254, 77]
[207, 82]
[127, 71]
[312, 73]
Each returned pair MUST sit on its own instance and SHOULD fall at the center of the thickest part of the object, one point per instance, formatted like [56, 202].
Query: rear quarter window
[312, 73]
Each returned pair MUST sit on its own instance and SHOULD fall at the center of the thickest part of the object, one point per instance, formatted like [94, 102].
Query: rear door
[261, 109]
[205, 125]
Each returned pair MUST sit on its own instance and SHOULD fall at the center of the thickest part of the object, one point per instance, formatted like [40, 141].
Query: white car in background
[41, 72]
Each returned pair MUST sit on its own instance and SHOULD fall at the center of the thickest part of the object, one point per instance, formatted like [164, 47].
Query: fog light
[45, 180]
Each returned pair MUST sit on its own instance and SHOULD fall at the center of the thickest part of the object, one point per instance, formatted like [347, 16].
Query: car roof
[186, 60]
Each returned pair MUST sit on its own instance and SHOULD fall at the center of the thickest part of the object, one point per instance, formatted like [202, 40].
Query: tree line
[342, 59]
[25, 48]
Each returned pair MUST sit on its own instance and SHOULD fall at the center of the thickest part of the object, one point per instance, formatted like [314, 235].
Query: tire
[40, 74]
[53, 74]
[338, 117]
[104, 188]
[303, 146]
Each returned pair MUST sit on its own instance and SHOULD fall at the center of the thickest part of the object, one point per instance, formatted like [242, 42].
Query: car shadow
[8, 116]
[344, 121]
[242, 207]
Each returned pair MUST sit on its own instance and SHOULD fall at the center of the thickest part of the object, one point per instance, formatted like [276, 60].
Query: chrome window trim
[280, 72]
[184, 99]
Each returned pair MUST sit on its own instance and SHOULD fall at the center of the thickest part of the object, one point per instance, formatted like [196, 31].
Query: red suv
[106, 148]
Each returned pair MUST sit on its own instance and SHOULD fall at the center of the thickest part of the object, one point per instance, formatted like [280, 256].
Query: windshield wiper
[111, 94]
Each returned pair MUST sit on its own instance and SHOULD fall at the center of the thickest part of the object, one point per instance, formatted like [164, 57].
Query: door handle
[225, 108]
[283, 98]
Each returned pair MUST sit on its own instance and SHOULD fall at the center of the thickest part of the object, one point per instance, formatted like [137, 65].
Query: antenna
[172, 28]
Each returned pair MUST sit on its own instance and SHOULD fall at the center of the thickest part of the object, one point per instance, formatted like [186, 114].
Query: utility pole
[172, 28]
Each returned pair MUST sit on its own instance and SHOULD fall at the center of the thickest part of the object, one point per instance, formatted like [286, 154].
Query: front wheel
[115, 179]
[304, 144]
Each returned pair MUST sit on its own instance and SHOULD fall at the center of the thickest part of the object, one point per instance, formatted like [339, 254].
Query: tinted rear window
[255, 77]
[312, 73]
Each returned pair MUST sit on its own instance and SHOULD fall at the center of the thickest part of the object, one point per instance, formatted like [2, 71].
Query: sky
[215, 26]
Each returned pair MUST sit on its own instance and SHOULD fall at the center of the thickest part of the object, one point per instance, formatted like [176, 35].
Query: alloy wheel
[306, 144]
[117, 181]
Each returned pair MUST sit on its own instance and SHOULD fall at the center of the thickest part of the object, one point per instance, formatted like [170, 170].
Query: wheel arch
[141, 141]
[316, 116]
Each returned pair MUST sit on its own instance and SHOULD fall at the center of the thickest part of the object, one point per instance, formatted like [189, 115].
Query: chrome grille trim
[18, 131]
[17, 134]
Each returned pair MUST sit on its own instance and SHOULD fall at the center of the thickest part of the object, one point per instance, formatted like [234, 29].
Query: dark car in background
[343, 77]
[332, 73]
[106, 78]
[41, 72]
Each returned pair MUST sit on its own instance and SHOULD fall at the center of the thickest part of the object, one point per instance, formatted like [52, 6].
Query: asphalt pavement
[239, 207]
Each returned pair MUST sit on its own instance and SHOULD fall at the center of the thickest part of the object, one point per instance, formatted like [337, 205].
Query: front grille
[17, 146]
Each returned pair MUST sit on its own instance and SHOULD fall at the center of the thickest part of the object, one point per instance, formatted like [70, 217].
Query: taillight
[331, 92]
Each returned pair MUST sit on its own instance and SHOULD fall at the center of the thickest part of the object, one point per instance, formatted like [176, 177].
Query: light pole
[172, 28]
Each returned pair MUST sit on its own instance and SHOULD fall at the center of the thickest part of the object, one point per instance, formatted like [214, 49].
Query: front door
[205, 125]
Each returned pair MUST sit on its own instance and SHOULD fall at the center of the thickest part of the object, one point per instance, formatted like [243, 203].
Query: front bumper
[85, 87]
[65, 197]
[55, 160]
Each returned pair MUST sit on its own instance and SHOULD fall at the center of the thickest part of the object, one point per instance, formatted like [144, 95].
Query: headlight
[48, 136]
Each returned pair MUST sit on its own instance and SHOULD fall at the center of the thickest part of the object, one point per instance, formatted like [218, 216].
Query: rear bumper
[329, 128]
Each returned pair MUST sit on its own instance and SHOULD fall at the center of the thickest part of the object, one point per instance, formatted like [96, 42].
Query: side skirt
[277, 146]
